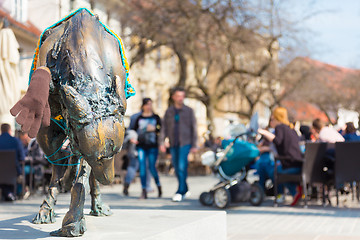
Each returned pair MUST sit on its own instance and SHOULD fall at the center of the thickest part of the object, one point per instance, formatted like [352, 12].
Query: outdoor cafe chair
[347, 165]
[283, 178]
[8, 172]
[312, 170]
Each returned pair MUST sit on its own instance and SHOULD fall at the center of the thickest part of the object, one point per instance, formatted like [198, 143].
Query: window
[19, 10]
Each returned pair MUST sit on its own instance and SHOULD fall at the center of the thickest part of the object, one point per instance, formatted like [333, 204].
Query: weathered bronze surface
[87, 90]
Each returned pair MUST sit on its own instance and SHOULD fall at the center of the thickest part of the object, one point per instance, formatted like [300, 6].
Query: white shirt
[330, 135]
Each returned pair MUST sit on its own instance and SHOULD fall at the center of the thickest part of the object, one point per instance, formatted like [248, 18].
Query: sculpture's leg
[98, 208]
[69, 176]
[73, 224]
[50, 139]
[46, 213]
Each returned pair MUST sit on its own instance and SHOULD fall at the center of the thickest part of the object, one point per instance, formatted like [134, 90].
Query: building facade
[14, 16]
[152, 77]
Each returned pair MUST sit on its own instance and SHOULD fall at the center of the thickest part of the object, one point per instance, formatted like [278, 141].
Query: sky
[335, 32]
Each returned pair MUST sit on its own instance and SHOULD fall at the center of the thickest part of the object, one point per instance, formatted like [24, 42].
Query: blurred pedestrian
[8, 142]
[148, 126]
[133, 119]
[129, 146]
[179, 126]
[130, 142]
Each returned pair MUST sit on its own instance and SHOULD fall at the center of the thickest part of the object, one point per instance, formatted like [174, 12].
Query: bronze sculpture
[87, 99]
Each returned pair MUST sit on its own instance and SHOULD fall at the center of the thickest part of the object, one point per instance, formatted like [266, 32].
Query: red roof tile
[26, 26]
[333, 76]
[329, 74]
[304, 111]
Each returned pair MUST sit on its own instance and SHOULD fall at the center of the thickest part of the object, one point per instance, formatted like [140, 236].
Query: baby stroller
[230, 165]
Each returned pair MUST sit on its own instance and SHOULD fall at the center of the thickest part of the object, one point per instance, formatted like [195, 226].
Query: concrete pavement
[243, 221]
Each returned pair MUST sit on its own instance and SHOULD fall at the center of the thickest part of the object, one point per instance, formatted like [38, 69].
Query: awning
[9, 73]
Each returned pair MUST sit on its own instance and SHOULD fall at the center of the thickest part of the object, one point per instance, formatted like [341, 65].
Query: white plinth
[130, 224]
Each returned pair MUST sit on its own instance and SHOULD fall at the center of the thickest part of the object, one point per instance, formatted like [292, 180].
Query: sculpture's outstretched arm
[33, 109]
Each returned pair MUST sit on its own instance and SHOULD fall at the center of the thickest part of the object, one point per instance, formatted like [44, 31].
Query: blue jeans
[263, 166]
[148, 157]
[179, 157]
[131, 172]
[267, 171]
[290, 186]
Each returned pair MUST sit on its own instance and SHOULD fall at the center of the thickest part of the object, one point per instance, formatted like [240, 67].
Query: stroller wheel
[222, 197]
[257, 195]
[206, 199]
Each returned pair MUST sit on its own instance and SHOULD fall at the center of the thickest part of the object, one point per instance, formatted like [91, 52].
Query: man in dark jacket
[7, 142]
[179, 126]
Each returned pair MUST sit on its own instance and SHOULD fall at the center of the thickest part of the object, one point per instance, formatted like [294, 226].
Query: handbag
[147, 138]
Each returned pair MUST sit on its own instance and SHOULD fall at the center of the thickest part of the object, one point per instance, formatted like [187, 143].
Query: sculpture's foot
[100, 209]
[46, 214]
[75, 229]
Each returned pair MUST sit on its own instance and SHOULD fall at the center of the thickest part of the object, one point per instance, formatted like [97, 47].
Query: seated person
[25, 140]
[8, 142]
[329, 135]
[265, 161]
[324, 133]
[37, 156]
[349, 133]
[286, 142]
[33, 156]
[129, 145]
[213, 144]
[305, 133]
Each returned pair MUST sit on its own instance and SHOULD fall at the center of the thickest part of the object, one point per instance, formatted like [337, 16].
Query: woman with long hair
[287, 145]
[148, 126]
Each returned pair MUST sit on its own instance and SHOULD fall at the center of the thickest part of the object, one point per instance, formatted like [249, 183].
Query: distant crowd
[280, 141]
[28, 154]
[176, 134]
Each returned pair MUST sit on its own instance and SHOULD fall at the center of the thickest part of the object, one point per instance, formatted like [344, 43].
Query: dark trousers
[6, 190]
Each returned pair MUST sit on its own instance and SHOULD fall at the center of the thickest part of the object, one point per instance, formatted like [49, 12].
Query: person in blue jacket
[349, 133]
[8, 142]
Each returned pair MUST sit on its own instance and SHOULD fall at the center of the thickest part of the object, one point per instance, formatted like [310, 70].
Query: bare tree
[156, 23]
[211, 35]
[230, 46]
[328, 87]
[233, 60]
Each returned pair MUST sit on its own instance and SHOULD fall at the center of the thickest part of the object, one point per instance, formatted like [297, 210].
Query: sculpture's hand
[33, 109]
